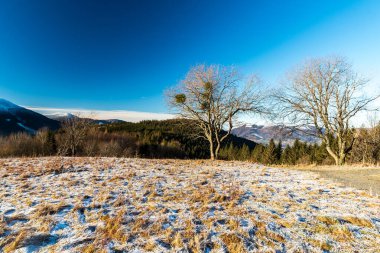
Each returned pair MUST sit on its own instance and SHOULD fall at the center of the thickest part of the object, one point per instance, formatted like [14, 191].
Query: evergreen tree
[257, 154]
[297, 151]
[51, 143]
[278, 152]
[321, 153]
[223, 153]
[244, 153]
[288, 156]
[270, 153]
[231, 152]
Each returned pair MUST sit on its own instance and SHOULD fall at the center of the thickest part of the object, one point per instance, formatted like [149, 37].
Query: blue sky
[122, 55]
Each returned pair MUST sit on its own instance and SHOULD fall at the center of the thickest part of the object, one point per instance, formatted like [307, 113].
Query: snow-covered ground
[136, 205]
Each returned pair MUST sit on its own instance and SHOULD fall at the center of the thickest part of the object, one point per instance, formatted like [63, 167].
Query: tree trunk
[212, 155]
[212, 151]
[217, 151]
[342, 159]
[333, 155]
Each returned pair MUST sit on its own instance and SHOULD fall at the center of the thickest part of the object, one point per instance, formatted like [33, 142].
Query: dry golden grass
[327, 220]
[150, 246]
[168, 205]
[90, 248]
[233, 243]
[314, 167]
[49, 209]
[112, 229]
[358, 221]
[177, 241]
[194, 243]
[286, 223]
[15, 244]
[320, 244]
[44, 223]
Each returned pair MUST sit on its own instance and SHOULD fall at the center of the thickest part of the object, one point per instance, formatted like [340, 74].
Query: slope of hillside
[14, 118]
[141, 205]
[178, 134]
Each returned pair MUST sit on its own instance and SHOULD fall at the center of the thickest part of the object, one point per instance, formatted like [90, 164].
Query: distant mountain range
[263, 134]
[14, 118]
[64, 116]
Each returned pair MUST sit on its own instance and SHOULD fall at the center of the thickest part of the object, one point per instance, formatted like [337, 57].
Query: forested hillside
[150, 139]
[170, 138]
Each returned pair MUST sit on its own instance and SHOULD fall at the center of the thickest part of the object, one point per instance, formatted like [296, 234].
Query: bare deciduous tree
[74, 130]
[326, 93]
[210, 96]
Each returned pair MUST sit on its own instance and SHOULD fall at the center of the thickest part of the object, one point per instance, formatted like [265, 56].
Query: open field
[363, 178]
[136, 205]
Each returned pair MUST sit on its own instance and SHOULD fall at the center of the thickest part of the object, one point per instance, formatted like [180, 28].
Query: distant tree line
[276, 154]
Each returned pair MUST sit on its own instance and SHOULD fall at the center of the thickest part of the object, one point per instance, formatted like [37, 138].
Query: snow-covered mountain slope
[263, 134]
[5, 105]
[58, 116]
[14, 119]
[64, 116]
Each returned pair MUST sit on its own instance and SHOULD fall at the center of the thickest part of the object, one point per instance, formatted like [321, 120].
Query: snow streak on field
[132, 205]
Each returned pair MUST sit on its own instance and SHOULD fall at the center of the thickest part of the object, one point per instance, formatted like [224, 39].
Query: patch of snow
[257, 135]
[26, 128]
[60, 226]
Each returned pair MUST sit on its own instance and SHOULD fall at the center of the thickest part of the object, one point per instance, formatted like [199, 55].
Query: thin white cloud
[130, 116]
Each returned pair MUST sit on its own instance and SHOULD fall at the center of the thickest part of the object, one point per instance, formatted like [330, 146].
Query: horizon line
[126, 115]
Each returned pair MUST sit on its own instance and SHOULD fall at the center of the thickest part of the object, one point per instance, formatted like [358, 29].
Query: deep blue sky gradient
[123, 54]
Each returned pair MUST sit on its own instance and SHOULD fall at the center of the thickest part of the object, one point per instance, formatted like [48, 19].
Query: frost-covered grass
[136, 205]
